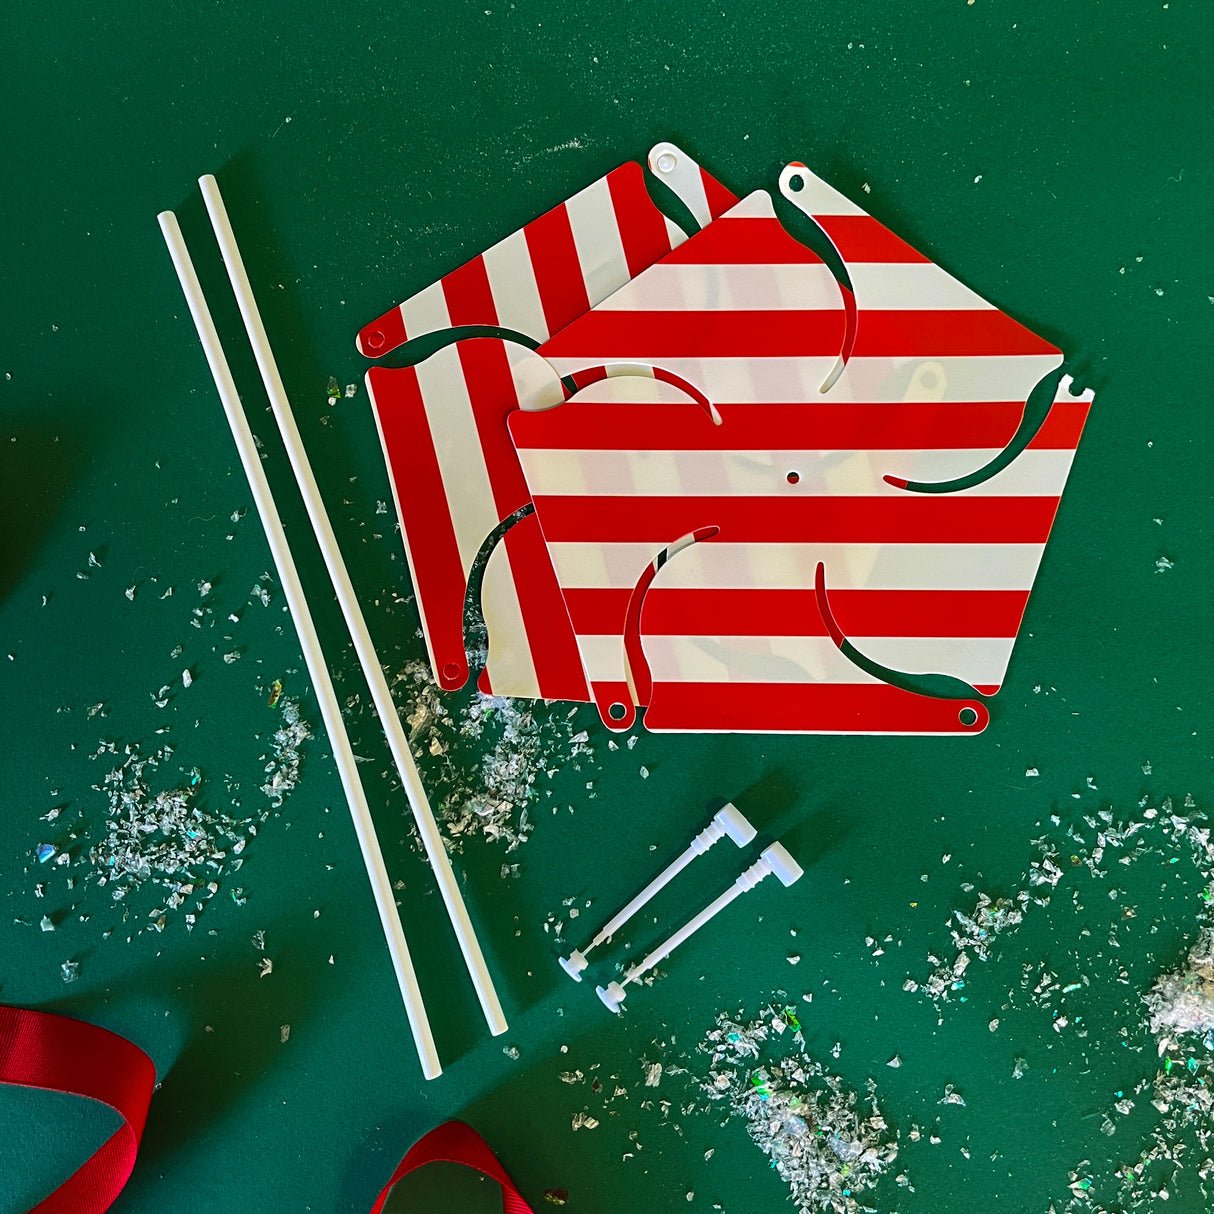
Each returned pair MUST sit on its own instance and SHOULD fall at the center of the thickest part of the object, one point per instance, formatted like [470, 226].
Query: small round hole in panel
[793, 478]
[617, 711]
[796, 183]
[968, 716]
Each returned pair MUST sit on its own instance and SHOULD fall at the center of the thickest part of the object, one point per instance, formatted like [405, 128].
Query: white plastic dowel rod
[330, 712]
[774, 860]
[432, 840]
[698, 846]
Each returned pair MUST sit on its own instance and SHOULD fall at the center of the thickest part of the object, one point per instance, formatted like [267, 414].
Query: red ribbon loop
[455, 1142]
[58, 1054]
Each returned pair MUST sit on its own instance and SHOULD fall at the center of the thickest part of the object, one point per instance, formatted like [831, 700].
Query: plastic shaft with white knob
[775, 859]
[727, 822]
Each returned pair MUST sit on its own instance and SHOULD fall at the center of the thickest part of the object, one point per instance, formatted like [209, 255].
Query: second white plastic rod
[382, 696]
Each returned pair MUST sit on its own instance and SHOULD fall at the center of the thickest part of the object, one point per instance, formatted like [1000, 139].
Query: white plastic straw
[313, 655]
[423, 815]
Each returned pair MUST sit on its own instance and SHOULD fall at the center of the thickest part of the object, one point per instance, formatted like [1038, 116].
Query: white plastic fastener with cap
[728, 822]
[775, 859]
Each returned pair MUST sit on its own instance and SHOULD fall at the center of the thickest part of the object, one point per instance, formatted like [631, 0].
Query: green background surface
[1055, 156]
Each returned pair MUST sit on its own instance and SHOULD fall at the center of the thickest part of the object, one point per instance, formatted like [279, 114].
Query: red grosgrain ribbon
[455, 1142]
[41, 1050]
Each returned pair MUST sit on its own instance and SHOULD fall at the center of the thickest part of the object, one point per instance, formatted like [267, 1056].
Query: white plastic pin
[729, 822]
[775, 859]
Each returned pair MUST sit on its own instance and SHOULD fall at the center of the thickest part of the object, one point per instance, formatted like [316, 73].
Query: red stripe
[719, 198]
[805, 708]
[383, 335]
[469, 296]
[558, 273]
[862, 238]
[550, 637]
[860, 613]
[641, 225]
[638, 336]
[944, 333]
[438, 573]
[742, 242]
[1062, 426]
[794, 427]
[800, 519]
[494, 397]
[788, 333]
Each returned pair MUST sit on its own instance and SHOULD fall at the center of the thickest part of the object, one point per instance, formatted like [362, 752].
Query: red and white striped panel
[919, 583]
[550, 271]
[455, 477]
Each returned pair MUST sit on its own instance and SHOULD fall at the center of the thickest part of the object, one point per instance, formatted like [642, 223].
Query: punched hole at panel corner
[968, 716]
[617, 711]
[796, 183]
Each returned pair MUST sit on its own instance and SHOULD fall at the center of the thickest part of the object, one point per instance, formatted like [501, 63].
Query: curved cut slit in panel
[418, 349]
[1036, 412]
[793, 183]
[972, 716]
[476, 633]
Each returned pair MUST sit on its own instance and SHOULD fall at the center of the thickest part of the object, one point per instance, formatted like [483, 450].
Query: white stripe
[699, 288]
[672, 166]
[726, 566]
[425, 312]
[511, 667]
[457, 446]
[723, 659]
[757, 205]
[603, 658]
[808, 286]
[549, 472]
[512, 283]
[910, 286]
[536, 387]
[674, 233]
[865, 380]
[980, 661]
[596, 236]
